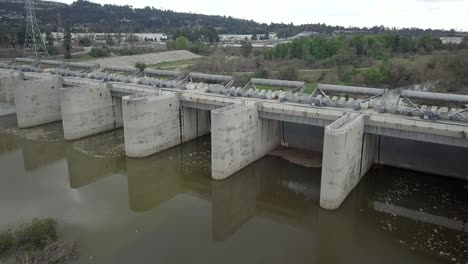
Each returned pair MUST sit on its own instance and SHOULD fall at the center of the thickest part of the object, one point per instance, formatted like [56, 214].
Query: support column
[37, 102]
[87, 111]
[151, 123]
[239, 137]
[7, 95]
[347, 156]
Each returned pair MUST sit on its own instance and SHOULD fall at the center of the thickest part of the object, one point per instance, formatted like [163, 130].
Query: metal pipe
[279, 83]
[82, 65]
[121, 69]
[26, 60]
[52, 62]
[163, 72]
[456, 98]
[351, 89]
[211, 77]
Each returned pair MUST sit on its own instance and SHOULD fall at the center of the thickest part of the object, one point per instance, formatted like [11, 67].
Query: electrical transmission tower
[34, 45]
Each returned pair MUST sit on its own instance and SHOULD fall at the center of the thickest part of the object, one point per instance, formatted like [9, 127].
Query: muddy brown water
[166, 209]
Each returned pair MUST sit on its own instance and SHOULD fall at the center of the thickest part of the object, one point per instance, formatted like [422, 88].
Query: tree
[181, 43]
[12, 40]
[110, 40]
[132, 39]
[288, 73]
[67, 43]
[21, 36]
[85, 42]
[254, 36]
[246, 48]
[141, 66]
[344, 61]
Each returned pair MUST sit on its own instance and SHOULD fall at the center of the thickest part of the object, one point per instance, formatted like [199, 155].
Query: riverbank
[36, 242]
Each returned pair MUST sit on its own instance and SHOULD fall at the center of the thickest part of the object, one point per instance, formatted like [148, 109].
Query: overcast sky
[444, 14]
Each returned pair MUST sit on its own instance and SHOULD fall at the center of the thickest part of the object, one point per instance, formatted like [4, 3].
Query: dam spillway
[245, 123]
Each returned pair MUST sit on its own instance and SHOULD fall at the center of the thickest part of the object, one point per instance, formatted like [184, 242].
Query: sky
[437, 14]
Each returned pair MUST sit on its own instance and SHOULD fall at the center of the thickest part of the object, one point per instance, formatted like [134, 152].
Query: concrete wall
[195, 123]
[424, 157]
[302, 136]
[37, 102]
[239, 137]
[151, 124]
[343, 164]
[117, 104]
[87, 111]
[7, 95]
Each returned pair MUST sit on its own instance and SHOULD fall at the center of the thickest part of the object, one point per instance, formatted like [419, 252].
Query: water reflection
[166, 208]
[84, 169]
[154, 180]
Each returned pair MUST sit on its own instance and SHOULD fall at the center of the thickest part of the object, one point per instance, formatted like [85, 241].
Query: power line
[34, 45]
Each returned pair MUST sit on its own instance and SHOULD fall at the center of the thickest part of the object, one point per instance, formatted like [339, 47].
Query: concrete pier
[347, 156]
[151, 123]
[7, 95]
[239, 137]
[37, 101]
[154, 122]
[88, 111]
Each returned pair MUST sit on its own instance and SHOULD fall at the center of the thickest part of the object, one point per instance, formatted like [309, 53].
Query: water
[166, 209]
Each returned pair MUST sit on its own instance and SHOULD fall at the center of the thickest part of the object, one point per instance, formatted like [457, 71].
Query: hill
[84, 16]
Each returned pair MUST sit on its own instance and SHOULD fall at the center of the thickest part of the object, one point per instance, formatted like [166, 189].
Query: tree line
[375, 46]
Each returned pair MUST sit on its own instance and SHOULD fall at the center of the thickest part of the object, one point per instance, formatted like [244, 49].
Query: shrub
[262, 73]
[6, 242]
[37, 234]
[52, 50]
[99, 52]
[141, 66]
[182, 43]
[288, 73]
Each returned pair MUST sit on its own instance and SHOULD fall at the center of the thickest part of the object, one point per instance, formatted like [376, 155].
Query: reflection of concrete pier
[154, 180]
[84, 169]
[246, 123]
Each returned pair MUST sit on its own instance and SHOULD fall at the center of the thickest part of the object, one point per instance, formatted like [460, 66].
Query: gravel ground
[150, 58]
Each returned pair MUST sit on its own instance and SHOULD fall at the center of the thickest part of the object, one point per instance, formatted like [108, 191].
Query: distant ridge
[85, 16]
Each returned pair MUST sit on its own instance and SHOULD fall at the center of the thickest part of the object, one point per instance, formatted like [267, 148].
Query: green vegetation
[181, 43]
[176, 65]
[99, 52]
[207, 34]
[246, 48]
[67, 44]
[6, 242]
[374, 46]
[288, 73]
[36, 234]
[36, 242]
[30, 237]
[141, 66]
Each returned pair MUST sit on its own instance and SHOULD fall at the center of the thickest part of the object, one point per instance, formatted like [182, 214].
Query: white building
[451, 40]
[116, 37]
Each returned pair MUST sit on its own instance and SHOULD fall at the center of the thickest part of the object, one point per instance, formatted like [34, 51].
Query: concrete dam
[353, 127]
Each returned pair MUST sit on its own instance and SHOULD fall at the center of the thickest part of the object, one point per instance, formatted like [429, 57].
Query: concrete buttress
[37, 102]
[347, 156]
[88, 111]
[239, 137]
[151, 123]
